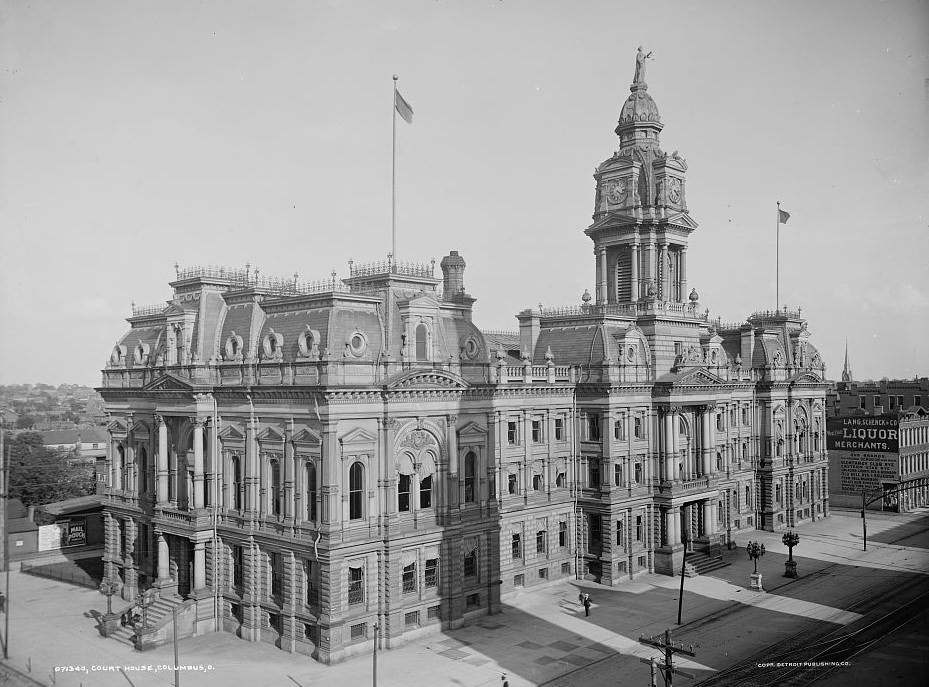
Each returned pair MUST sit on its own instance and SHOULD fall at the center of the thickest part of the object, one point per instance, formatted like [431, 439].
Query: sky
[136, 135]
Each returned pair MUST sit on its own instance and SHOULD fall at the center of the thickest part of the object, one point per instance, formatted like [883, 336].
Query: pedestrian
[2, 603]
[506, 683]
[586, 604]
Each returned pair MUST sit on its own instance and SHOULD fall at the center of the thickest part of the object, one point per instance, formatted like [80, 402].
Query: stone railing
[391, 266]
[249, 278]
[143, 310]
[687, 310]
[775, 314]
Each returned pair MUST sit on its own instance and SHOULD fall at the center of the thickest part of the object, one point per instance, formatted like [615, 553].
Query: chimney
[453, 266]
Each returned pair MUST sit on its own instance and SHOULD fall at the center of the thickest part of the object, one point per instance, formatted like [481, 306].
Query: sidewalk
[541, 634]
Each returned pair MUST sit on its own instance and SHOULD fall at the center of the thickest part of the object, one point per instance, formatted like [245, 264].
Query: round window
[357, 344]
[471, 349]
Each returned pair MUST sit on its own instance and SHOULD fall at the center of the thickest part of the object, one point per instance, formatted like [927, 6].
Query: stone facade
[312, 464]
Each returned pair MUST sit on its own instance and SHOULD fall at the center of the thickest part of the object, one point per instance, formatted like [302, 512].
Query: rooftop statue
[640, 58]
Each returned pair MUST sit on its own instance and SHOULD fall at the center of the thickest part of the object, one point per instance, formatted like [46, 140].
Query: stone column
[663, 290]
[453, 489]
[603, 281]
[289, 469]
[650, 262]
[198, 463]
[199, 581]
[634, 265]
[251, 468]
[331, 478]
[675, 526]
[670, 467]
[707, 518]
[682, 273]
[164, 558]
[162, 466]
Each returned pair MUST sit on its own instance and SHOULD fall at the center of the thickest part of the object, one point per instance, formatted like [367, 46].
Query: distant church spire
[846, 371]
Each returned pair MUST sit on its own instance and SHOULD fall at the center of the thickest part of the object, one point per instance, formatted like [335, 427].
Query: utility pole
[663, 643]
[4, 527]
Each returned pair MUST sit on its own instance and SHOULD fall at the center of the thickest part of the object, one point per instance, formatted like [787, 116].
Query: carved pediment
[230, 433]
[697, 376]
[307, 437]
[472, 431]
[271, 435]
[427, 379]
[806, 378]
[420, 301]
[358, 437]
[681, 219]
[167, 382]
[116, 426]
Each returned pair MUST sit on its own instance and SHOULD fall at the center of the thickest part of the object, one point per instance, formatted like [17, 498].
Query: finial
[177, 270]
[396, 78]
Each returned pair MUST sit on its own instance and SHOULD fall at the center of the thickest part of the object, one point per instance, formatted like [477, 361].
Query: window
[409, 578]
[432, 573]
[537, 431]
[892, 401]
[594, 526]
[719, 460]
[560, 480]
[422, 335]
[719, 421]
[541, 541]
[593, 473]
[639, 529]
[559, 429]
[565, 568]
[519, 580]
[411, 618]
[917, 400]
[638, 473]
[311, 590]
[618, 475]
[543, 573]
[538, 483]
[356, 588]
[642, 561]
[425, 492]
[238, 568]
[434, 612]
[473, 600]
[621, 567]
[637, 428]
[356, 484]
[517, 546]
[512, 432]
[876, 400]
[619, 430]
[744, 415]
[311, 491]
[469, 475]
[511, 483]
[236, 484]
[562, 534]
[274, 497]
[777, 492]
[593, 427]
[748, 496]
[403, 493]
[620, 533]
[359, 631]
[470, 564]
[678, 348]
[277, 576]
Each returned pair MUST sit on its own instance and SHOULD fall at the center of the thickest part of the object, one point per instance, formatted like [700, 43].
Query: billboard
[62, 534]
[863, 433]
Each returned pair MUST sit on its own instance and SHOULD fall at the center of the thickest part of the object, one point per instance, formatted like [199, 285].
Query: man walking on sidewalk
[586, 604]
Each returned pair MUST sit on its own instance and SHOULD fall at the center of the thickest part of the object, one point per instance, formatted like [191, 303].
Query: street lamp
[790, 539]
[143, 601]
[109, 587]
[755, 551]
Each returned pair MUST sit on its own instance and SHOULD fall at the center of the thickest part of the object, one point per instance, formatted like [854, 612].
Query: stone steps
[702, 563]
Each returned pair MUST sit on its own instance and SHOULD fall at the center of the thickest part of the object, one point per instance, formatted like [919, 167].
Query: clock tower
[640, 221]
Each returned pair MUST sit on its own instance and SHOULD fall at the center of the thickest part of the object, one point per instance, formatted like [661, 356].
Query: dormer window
[422, 338]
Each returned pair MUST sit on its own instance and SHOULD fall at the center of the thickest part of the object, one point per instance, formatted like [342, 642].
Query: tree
[40, 475]
[25, 422]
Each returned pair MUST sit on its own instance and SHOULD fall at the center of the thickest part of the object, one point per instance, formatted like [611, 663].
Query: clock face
[616, 191]
[674, 191]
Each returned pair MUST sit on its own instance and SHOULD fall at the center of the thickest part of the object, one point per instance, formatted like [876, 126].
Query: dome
[639, 107]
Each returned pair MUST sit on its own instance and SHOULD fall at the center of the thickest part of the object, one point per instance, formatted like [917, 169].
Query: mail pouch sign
[866, 434]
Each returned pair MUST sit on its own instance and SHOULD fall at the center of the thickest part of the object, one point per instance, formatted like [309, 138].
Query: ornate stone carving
[417, 439]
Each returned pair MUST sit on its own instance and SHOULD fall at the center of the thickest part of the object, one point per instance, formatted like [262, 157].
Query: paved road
[543, 636]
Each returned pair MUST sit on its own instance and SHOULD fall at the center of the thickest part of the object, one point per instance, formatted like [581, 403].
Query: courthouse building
[301, 463]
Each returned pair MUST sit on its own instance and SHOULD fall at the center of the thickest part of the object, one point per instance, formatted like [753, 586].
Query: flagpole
[393, 177]
[777, 261]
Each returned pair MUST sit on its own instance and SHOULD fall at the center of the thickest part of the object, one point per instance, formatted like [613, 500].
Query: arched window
[538, 483]
[356, 485]
[425, 492]
[274, 496]
[143, 470]
[119, 467]
[236, 484]
[560, 480]
[469, 474]
[403, 493]
[719, 460]
[421, 339]
[311, 491]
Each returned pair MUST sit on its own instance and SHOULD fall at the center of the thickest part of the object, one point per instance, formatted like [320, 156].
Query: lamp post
[755, 551]
[143, 601]
[790, 539]
[108, 588]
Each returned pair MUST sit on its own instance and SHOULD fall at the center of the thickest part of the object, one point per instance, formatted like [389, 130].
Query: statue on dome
[640, 58]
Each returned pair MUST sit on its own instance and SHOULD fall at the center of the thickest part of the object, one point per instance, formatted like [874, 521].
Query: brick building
[299, 462]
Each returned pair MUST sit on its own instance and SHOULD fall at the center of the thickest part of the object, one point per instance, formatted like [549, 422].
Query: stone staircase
[699, 563]
[158, 614]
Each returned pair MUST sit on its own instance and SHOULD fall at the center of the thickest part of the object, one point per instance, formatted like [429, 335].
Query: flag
[403, 107]
[782, 216]
[316, 409]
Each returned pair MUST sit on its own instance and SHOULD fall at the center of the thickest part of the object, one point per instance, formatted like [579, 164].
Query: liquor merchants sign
[864, 455]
